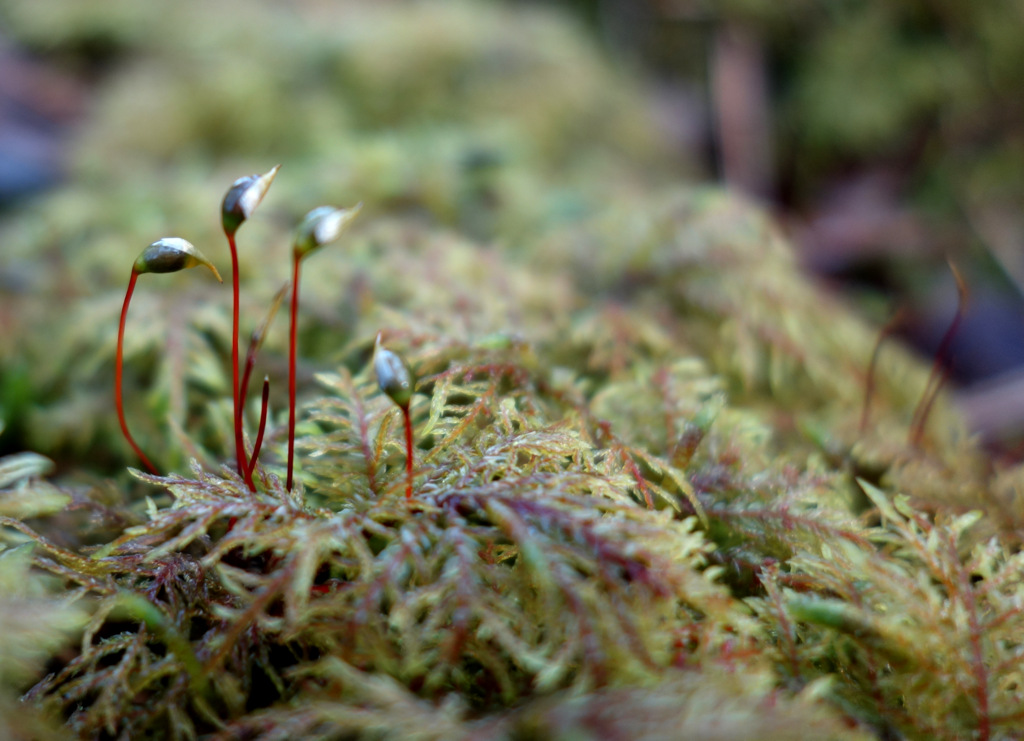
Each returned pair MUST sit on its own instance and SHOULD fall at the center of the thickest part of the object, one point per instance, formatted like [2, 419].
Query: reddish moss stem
[259, 433]
[239, 446]
[292, 340]
[408, 451]
[118, 372]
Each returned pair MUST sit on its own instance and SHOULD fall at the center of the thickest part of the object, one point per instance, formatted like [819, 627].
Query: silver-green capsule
[393, 375]
[243, 197]
[171, 254]
[321, 226]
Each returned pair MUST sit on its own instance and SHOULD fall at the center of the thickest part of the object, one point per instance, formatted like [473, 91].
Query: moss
[644, 501]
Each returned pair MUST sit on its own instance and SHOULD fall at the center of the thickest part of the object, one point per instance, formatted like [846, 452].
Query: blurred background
[887, 136]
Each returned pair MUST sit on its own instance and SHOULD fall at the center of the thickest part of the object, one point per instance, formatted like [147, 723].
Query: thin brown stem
[260, 431]
[869, 383]
[292, 341]
[118, 379]
[940, 368]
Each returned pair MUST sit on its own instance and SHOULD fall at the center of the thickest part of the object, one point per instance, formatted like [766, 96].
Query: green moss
[644, 501]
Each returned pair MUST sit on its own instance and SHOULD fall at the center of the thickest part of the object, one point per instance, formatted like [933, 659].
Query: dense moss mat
[648, 500]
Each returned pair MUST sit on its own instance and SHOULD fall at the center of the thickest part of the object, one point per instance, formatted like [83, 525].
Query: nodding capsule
[171, 254]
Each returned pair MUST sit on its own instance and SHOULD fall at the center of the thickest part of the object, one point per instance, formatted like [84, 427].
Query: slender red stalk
[292, 341]
[239, 447]
[118, 368]
[239, 202]
[319, 227]
[255, 343]
[259, 433]
[408, 451]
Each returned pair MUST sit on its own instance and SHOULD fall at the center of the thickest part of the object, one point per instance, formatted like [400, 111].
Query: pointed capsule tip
[213, 269]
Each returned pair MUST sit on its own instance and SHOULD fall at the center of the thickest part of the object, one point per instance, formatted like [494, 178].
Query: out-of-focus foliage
[37, 621]
[933, 84]
[925, 92]
[648, 497]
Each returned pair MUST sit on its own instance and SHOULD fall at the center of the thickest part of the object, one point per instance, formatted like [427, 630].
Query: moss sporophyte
[167, 255]
[241, 200]
[319, 227]
[397, 381]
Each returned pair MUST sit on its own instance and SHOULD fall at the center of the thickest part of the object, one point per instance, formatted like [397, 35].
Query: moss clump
[643, 498]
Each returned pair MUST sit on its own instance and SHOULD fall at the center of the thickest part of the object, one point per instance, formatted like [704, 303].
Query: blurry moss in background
[931, 87]
[890, 135]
